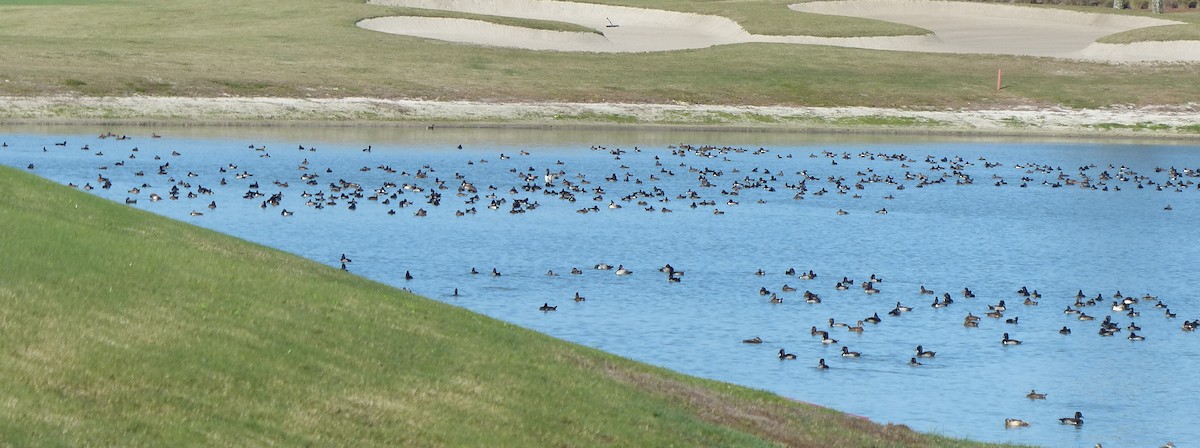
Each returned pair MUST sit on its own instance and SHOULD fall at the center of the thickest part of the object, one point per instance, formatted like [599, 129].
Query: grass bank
[120, 327]
[312, 49]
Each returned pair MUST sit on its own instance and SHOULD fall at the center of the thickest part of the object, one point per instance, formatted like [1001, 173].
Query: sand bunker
[957, 28]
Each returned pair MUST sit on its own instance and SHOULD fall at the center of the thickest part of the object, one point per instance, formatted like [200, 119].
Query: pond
[1110, 220]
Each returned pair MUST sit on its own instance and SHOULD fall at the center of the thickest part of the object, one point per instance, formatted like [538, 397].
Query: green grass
[311, 48]
[120, 327]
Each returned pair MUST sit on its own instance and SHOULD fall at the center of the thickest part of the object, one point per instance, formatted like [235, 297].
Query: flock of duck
[682, 178]
[710, 188]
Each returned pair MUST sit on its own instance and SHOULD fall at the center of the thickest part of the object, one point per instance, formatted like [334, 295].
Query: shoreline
[1180, 122]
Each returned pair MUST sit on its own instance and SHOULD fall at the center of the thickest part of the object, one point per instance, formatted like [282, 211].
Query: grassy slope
[311, 48]
[118, 327]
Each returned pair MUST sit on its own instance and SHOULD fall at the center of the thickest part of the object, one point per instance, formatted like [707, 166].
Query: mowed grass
[119, 327]
[311, 48]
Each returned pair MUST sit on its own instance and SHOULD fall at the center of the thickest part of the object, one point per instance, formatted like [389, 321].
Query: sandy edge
[1181, 121]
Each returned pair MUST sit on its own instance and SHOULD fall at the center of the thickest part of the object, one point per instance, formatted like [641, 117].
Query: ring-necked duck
[1074, 421]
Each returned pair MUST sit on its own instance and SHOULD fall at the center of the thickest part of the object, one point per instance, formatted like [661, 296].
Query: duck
[546, 308]
[825, 339]
[836, 324]
[857, 328]
[787, 288]
[1033, 395]
[621, 270]
[408, 275]
[903, 308]
[786, 355]
[776, 299]
[578, 298]
[1073, 421]
[754, 340]
[921, 353]
[970, 323]
[846, 353]
[925, 291]
[874, 319]
[1013, 320]
[1009, 341]
[821, 364]
[1064, 330]
[1015, 423]
[1133, 327]
[1135, 337]
[913, 362]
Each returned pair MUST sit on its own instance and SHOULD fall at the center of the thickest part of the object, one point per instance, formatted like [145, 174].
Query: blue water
[943, 236]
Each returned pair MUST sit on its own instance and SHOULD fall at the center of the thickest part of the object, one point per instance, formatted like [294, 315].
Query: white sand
[957, 28]
[369, 111]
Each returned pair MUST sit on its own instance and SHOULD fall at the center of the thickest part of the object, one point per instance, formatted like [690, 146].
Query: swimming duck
[1012, 321]
[925, 291]
[408, 275]
[836, 324]
[873, 319]
[921, 353]
[913, 362]
[785, 355]
[1135, 337]
[754, 340]
[857, 328]
[622, 271]
[1014, 423]
[546, 308]
[776, 299]
[903, 308]
[578, 298]
[1033, 395]
[821, 364]
[1074, 421]
[846, 353]
[1009, 341]
[825, 339]
[1064, 330]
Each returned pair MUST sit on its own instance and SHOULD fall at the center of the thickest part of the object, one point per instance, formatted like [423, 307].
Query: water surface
[1051, 236]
